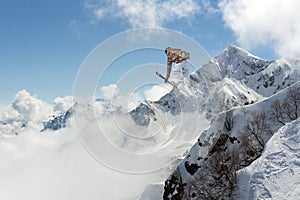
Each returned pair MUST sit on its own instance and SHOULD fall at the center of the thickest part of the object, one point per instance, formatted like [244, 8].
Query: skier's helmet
[167, 49]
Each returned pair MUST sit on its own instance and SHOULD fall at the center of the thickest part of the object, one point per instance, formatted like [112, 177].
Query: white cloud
[147, 13]
[130, 100]
[7, 113]
[30, 107]
[62, 104]
[109, 91]
[29, 111]
[49, 165]
[157, 91]
[74, 26]
[54, 165]
[274, 23]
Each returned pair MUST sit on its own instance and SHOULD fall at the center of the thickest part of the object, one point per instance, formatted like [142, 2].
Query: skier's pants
[183, 67]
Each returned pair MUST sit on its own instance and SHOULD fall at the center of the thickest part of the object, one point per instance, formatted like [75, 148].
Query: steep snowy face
[209, 170]
[231, 93]
[276, 174]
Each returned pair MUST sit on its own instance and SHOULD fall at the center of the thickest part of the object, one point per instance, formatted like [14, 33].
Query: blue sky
[43, 43]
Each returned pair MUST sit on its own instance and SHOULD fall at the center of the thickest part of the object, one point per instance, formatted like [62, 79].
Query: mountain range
[247, 149]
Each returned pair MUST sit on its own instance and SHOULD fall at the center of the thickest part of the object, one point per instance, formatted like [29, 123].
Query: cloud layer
[30, 107]
[27, 110]
[273, 23]
[55, 165]
[148, 13]
[157, 91]
[109, 91]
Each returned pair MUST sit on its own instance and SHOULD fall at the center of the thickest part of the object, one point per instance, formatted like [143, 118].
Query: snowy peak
[237, 63]
[233, 50]
[264, 77]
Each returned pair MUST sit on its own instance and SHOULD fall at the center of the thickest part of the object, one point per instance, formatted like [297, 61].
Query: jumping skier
[181, 59]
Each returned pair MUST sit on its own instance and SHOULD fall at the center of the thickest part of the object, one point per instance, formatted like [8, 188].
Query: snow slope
[276, 174]
[208, 171]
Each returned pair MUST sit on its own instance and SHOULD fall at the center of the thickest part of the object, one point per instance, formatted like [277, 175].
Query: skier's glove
[166, 80]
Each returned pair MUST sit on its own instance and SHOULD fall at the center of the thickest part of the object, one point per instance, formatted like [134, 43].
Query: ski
[174, 86]
[164, 78]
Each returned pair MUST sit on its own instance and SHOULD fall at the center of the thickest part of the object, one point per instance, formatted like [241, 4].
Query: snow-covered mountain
[209, 170]
[58, 122]
[235, 77]
[246, 142]
[247, 99]
[27, 111]
[237, 87]
[265, 77]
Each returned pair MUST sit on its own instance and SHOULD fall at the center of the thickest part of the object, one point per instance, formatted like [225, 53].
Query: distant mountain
[58, 122]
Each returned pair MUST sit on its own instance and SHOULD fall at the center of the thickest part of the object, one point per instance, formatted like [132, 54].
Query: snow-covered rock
[277, 76]
[58, 122]
[276, 174]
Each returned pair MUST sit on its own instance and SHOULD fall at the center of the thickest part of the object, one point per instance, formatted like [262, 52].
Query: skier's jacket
[177, 56]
